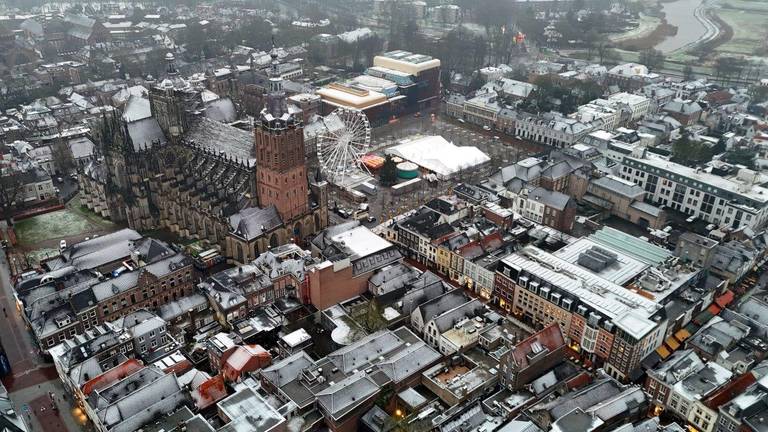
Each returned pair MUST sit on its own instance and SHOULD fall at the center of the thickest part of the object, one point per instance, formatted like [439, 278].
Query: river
[682, 14]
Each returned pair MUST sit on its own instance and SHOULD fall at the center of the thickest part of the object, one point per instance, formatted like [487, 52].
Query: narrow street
[32, 379]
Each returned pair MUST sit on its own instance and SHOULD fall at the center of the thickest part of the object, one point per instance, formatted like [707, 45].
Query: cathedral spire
[276, 106]
[274, 71]
[171, 60]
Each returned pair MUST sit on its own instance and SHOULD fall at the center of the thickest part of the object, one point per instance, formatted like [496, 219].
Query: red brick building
[533, 357]
[281, 165]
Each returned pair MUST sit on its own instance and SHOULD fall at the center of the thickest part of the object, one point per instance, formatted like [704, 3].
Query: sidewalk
[34, 403]
[31, 378]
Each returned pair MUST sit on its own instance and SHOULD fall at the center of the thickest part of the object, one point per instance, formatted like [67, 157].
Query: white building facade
[722, 201]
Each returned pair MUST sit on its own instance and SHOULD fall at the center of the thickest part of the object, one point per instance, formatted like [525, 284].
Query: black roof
[83, 300]
[427, 223]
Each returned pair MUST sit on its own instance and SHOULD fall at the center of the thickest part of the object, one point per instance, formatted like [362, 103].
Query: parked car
[341, 212]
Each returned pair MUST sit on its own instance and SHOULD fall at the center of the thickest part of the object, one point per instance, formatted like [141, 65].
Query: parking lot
[501, 149]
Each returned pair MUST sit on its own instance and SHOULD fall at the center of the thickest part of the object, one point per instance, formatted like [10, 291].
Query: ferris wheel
[342, 144]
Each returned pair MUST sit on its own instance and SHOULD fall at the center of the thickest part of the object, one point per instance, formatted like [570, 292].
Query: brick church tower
[281, 171]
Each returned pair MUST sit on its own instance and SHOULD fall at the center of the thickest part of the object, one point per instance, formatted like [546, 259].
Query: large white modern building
[734, 202]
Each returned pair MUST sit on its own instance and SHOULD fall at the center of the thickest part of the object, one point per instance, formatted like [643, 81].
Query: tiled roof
[252, 222]
[222, 138]
[550, 338]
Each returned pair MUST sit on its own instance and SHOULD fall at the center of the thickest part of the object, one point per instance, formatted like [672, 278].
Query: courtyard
[72, 223]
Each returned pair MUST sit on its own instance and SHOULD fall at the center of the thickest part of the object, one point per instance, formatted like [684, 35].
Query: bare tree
[605, 51]
[688, 72]
[10, 189]
[652, 58]
[62, 157]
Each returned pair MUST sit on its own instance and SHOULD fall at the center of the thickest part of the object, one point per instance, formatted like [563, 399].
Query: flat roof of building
[373, 83]
[622, 270]
[406, 61]
[339, 95]
[637, 248]
[388, 71]
[629, 310]
[249, 411]
[296, 338]
[361, 242]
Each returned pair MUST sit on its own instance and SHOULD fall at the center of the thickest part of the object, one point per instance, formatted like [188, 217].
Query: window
[673, 401]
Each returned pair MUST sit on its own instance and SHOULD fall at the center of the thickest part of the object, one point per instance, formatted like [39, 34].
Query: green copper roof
[637, 248]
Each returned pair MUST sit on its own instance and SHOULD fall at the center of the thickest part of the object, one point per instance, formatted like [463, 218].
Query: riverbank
[748, 29]
[724, 35]
[647, 24]
[681, 26]
[662, 31]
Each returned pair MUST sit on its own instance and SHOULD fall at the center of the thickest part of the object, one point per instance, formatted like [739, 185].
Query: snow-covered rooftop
[137, 108]
[627, 309]
[361, 242]
[296, 338]
[355, 35]
[620, 271]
